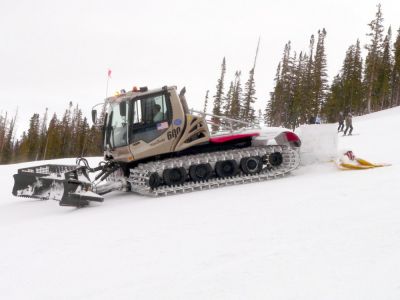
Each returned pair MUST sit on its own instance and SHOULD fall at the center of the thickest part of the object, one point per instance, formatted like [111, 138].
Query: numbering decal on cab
[173, 133]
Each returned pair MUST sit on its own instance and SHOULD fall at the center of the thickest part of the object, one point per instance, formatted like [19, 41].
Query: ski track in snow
[320, 233]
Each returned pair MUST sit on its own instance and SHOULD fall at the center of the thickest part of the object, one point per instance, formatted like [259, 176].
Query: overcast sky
[53, 52]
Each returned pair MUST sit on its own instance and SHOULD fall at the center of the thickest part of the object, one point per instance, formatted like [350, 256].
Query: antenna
[255, 58]
[108, 79]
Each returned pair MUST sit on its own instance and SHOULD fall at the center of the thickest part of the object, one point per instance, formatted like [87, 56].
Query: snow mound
[319, 143]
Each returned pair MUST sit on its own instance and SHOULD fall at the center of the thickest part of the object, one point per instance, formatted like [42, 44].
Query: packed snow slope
[320, 233]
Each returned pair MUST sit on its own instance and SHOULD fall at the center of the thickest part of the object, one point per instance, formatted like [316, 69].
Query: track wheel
[275, 159]
[200, 172]
[226, 168]
[154, 180]
[251, 165]
[174, 176]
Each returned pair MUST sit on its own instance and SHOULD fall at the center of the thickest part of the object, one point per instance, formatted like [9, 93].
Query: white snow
[320, 233]
[319, 143]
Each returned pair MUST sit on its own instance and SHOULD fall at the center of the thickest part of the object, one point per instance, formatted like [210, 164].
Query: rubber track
[139, 176]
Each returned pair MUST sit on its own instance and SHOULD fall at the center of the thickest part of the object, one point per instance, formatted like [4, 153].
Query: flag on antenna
[109, 73]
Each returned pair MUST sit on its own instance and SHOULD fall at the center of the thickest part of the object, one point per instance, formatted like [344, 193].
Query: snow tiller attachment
[68, 184]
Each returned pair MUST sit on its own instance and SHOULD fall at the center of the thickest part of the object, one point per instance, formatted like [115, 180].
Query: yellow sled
[359, 163]
[362, 165]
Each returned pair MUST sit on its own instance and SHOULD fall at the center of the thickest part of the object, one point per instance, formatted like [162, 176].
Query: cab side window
[151, 117]
[160, 111]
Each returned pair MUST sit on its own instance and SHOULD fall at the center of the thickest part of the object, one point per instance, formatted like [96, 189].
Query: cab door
[151, 119]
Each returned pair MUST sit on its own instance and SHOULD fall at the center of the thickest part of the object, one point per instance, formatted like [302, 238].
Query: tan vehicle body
[190, 130]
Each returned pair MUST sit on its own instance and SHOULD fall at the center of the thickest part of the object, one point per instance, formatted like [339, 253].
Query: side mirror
[94, 116]
[122, 109]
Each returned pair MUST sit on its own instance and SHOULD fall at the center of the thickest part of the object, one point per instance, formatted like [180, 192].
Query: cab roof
[133, 94]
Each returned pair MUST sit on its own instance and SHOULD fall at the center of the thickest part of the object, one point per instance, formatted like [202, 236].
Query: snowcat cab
[142, 124]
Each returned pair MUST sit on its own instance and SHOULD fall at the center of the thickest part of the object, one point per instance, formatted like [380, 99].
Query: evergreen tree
[374, 56]
[298, 98]
[228, 100]
[385, 72]
[16, 151]
[249, 98]
[7, 152]
[334, 101]
[33, 137]
[206, 102]
[277, 111]
[236, 97]
[82, 135]
[287, 80]
[3, 131]
[351, 85]
[259, 117]
[53, 149]
[78, 132]
[248, 112]
[94, 143]
[357, 89]
[346, 92]
[42, 137]
[308, 84]
[23, 148]
[273, 111]
[320, 80]
[66, 132]
[395, 99]
[218, 97]
[301, 94]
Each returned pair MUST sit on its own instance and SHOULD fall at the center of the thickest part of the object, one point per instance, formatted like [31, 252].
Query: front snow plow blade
[68, 184]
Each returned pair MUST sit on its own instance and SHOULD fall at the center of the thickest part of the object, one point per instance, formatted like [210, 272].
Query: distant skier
[341, 122]
[318, 119]
[349, 124]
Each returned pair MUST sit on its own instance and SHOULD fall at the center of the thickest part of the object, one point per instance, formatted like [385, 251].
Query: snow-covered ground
[320, 233]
